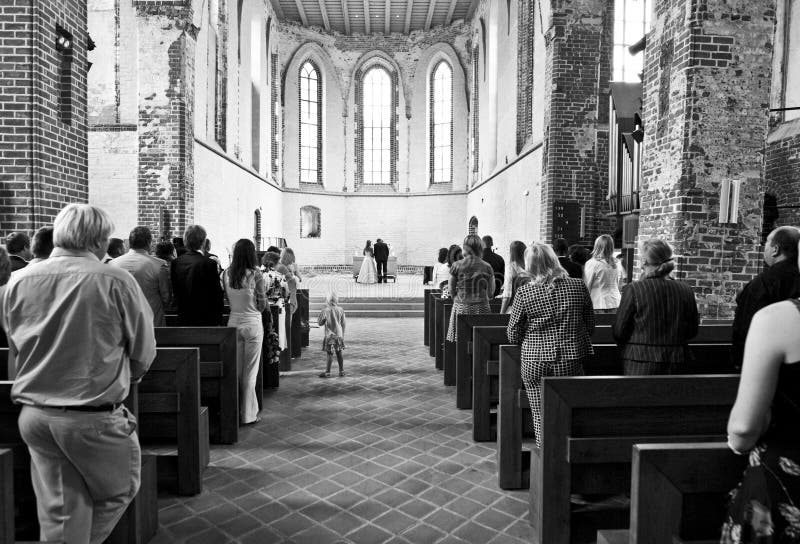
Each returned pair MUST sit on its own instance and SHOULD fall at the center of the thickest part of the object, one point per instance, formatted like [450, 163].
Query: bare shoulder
[780, 317]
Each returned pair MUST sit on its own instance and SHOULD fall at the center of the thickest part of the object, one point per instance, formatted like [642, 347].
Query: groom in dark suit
[381, 258]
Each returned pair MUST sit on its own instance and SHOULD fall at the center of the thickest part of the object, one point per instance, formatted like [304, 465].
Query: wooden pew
[219, 378]
[451, 351]
[6, 497]
[448, 349]
[426, 309]
[464, 353]
[440, 331]
[590, 425]
[679, 492]
[486, 342]
[170, 412]
[432, 322]
[137, 525]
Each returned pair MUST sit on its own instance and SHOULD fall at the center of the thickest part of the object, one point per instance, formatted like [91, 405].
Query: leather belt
[101, 408]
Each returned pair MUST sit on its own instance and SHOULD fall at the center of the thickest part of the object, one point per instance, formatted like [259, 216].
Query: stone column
[707, 83]
[166, 41]
[579, 43]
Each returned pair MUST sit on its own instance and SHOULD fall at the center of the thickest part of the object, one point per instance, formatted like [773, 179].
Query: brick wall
[783, 171]
[707, 80]
[43, 139]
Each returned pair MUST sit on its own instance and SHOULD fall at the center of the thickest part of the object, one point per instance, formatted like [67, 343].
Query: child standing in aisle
[333, 318]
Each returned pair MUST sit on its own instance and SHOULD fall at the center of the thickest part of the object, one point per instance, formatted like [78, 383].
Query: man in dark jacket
[18, 245]
[496, 262]
[195, 283]
[561, 247]
[780, 281]
[381, 251]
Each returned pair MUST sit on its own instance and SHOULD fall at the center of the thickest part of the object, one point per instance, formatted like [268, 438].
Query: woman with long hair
[601, 274]
[515, 274]
[286, 266]
[369, 271]
[441, 270]
[247, 294]
[657, 316]
[552, 317]
[471, 284]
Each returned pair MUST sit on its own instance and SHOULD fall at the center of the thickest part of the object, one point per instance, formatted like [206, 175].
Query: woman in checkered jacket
[553, 318]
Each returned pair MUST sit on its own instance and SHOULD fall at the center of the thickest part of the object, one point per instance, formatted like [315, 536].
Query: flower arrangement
[273, 352]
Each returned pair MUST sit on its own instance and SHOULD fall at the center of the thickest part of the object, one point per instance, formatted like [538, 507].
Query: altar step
[373, 307]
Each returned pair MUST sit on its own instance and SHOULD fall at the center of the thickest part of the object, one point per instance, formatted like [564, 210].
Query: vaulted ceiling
[374, 16]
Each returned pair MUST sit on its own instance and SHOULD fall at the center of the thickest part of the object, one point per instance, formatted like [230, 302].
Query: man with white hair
[80, 333]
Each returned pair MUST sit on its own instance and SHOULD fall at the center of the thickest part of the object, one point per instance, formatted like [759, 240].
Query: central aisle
[381, 455]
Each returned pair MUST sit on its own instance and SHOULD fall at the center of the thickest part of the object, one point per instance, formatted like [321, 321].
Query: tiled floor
[381, 455]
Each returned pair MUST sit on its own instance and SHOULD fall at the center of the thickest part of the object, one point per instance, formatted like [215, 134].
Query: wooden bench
[170, 412]
[448, 349]
[590, 424]
[465, 348]
[439, 331]
[426, 312]
[6, 497]
[486, 342]
[137, 525]
[455, 350]
[219, 378]
[679, 492]
[432, 328]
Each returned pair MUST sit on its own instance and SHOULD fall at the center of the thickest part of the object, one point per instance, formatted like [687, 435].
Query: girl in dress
[601, 275]
[333, 318]
[369, 271]
[247, 294]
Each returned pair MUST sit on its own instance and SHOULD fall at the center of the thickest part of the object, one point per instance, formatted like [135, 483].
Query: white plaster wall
[503, 210]
[226, 197]
[113, 170]
[415, 226]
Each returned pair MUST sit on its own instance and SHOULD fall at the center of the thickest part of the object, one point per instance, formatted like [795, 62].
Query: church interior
[320, 124]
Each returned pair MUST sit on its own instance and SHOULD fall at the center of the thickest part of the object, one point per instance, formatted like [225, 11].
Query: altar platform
[402, 298]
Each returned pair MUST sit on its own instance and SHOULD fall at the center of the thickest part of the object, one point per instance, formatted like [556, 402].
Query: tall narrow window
[276, 112]
[310, 124]
[64, 45]
[631, 21]
[791, 61]
[255, 92]
[377, 114]
[441, 117]
[475, 111]
[257, 229]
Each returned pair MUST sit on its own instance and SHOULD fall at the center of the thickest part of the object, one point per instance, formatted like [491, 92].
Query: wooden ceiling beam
[450, 12]
[409, 9]
[325, 20]
[387, 17]
[302, 11]
[366, 17]
[346, 15]
[429, 17]
[471, 11]
[276, 6]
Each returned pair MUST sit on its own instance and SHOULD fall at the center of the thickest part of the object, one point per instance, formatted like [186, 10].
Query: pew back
[6, 496]
[169, 409]
[426, 300]
[464, 352]
[486, 342]
[219, 379]
[590, 424]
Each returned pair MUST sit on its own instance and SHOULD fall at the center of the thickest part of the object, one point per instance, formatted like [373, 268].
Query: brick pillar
[43, 146]
[166, 38]
[707, 82]
[578, 68]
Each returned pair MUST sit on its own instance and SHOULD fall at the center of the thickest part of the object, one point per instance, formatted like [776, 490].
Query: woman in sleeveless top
[765, 507]
[247, 294]
[368, 272]
[601, 275]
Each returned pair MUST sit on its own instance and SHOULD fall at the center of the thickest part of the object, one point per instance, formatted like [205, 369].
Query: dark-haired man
[195, 283]
[42, 245]
[561, 247]
[381, 253]
[780, 281]
[18, 245]
[151, 273]
[496, 262]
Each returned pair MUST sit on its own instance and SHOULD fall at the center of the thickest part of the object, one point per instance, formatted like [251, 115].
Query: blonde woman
[471, 284]
[552, 317]
[287, 267]
[515, 274]
[601, 275]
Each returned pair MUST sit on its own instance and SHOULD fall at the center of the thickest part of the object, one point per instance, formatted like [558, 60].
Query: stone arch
[310, 222]
[333, 141]
[419, 144]
[365, 62]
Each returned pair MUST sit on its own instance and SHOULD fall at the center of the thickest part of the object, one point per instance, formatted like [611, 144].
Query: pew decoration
[273, 354]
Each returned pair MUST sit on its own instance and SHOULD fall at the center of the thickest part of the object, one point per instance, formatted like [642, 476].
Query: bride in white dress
[368, 272]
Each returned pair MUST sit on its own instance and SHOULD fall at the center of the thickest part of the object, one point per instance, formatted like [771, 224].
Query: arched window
[475, 110]
[631, 21]
[441, 123]
[310, 222]
[310, 124]
[377, 111]
[472, 228]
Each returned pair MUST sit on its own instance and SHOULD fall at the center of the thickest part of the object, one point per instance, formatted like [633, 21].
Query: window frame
[319, 120]
[389, 101]
[432, 125]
